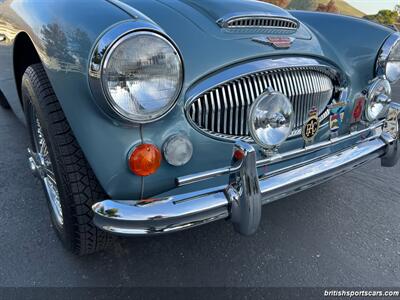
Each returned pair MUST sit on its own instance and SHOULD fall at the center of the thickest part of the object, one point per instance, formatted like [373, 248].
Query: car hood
[205, 46]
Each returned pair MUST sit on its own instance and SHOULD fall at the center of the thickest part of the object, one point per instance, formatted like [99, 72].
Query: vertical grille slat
[231, 106]
[225, 122]
[264, 80]
[309, 95]
[242, 109]
[256, 87]
[218, 100]
[294, 98]
[299, 97]
[237, 107]
[200, 112]
[206, 115]
[212, 111]
[247, 107]
[260, 84]
[252, 94]
[224, 110]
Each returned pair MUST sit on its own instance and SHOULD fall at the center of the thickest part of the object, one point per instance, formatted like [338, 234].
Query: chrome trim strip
[127, 8]
[193, 178]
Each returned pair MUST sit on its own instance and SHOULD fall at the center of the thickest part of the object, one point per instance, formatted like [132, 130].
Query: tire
[69, 183]
[3, 101]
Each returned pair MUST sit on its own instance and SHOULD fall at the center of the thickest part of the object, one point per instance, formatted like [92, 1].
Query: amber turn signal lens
[145, 160]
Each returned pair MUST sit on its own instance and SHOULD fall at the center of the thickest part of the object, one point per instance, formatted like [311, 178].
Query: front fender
[64, 33]
[352, 43]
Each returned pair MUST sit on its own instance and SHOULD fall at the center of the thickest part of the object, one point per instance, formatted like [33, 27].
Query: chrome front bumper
[241, 199]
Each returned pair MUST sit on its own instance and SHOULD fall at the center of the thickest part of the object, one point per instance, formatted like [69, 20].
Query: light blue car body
[349, 44]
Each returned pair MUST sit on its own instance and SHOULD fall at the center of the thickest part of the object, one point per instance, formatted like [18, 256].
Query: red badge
[358, 110]
[279, 42]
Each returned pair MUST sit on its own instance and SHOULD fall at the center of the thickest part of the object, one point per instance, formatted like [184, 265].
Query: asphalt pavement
[343, 233]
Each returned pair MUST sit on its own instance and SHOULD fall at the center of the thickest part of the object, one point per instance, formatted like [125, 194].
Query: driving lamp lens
[378, 99]
[178, 150]
[142, 76]
[271, 119]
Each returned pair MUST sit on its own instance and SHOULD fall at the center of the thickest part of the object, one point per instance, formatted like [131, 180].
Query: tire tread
[83, 187]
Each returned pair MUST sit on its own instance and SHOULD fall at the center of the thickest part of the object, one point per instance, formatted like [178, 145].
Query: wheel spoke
[47, 173]
[50, 174]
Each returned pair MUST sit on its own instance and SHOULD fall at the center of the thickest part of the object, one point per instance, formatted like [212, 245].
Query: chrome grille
[259, 22]
[223, 110]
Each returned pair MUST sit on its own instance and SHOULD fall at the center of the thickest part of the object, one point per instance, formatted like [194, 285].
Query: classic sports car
[154, 116]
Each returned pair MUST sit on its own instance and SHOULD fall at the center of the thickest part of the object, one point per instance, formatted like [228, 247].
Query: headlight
[389, 59]
[142, 76]
[271, 119]
[378, 99]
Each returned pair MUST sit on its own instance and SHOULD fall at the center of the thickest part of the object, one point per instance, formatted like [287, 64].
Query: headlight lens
[388, 62]
[271, 119]
[393, 64]
[142, 76]
[378, 99]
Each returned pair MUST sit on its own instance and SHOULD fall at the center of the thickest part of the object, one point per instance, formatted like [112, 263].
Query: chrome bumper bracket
[390, 135]
[246, 197]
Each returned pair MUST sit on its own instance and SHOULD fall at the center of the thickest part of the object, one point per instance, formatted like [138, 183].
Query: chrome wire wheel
[41, 164]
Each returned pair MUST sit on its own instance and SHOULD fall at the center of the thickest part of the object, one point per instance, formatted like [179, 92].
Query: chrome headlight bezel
[391, 44]
[378, 93]
[100, 57]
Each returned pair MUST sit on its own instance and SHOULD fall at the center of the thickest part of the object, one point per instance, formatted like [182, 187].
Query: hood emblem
[278, 42]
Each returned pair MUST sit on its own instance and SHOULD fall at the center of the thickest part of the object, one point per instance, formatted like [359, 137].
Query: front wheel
[69, 183]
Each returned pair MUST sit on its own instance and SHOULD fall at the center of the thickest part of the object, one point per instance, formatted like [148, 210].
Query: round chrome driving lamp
[271, 119]
[378, 99]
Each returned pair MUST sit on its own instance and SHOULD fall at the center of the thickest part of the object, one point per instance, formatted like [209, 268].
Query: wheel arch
[24, 55]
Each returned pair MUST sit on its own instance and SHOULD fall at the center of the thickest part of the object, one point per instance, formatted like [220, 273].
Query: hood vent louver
[258, 21]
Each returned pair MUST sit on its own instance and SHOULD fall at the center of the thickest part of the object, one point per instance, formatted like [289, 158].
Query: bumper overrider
[240, 201]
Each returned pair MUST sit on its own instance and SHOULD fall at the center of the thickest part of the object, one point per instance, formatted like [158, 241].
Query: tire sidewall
[33, 100]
